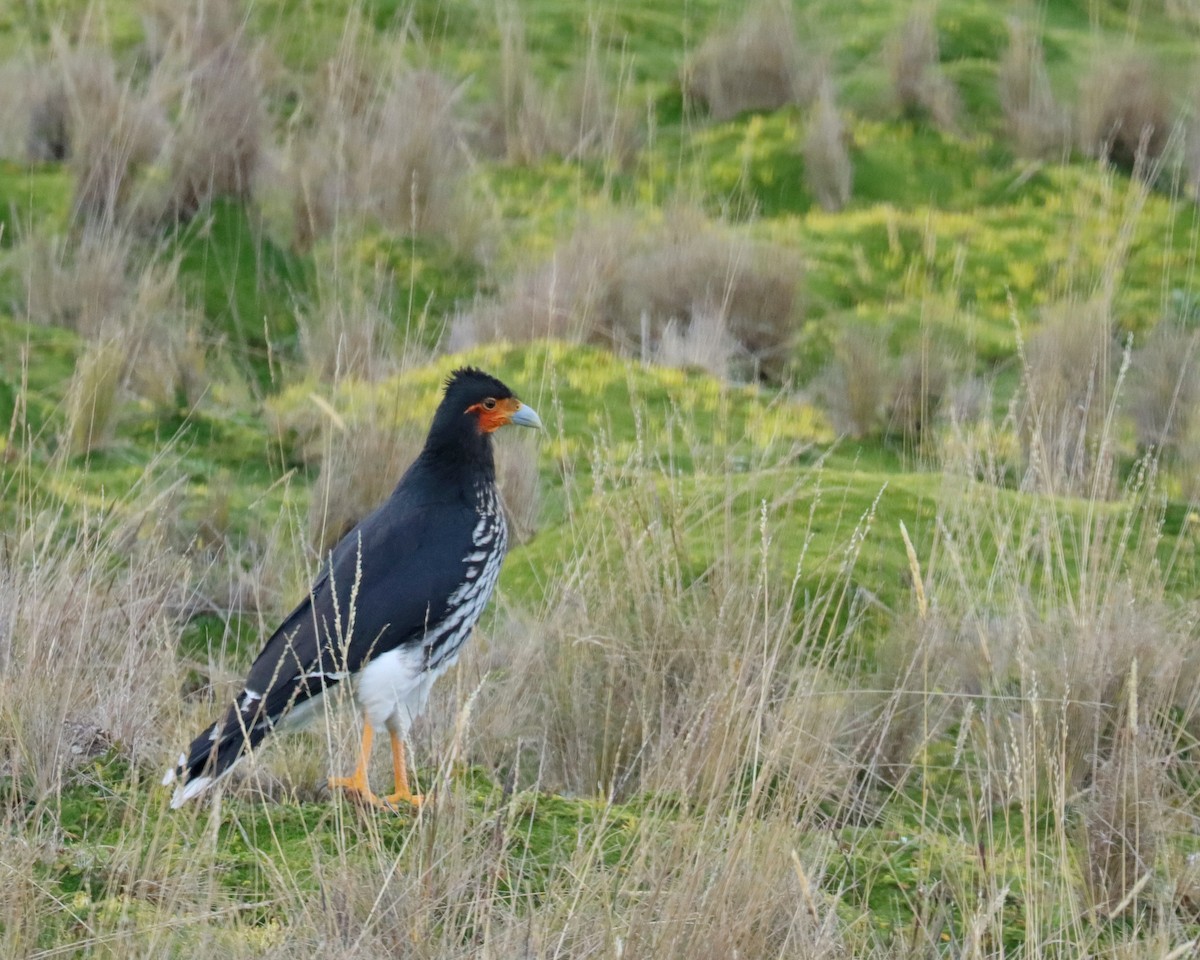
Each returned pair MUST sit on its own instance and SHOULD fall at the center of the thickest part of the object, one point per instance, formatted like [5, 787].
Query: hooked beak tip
[526, 416]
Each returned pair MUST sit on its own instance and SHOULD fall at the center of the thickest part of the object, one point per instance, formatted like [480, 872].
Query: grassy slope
[946, 234]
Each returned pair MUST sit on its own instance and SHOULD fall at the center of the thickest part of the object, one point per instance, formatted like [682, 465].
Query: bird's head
[476, 405]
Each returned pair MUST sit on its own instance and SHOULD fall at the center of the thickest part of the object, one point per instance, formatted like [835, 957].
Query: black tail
[214, 753]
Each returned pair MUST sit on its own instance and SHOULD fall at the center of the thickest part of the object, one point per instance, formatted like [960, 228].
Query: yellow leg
[400, 771]
[356, 785]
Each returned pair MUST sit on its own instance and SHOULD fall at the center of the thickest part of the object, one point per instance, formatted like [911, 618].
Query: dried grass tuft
[638, 680]
[687, 290]
[103, 288]
[86, 651]
[856, 385]
[1123, 819]
[919, 386]
[82, 285]
[94, 398]
[390, 151]
[1069, 374]
[757, 64]
[583, 119]
[920, 87]
[112, 133]
[218, 147]
[520, 486]
[828, 169]
[1038, 125]
[1165, 388]
[349, 330]
[1125, 115]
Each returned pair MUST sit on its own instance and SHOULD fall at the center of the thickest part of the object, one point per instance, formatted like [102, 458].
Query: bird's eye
[489, 403]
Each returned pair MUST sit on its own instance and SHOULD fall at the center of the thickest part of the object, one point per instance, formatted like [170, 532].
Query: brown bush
[520, 486]
[828, 169]
[635, 679]
[614, 284]
[856, 384]
[919, 385]
[1125, 113]
[94, 398]
[570, 296]
[82, 284]
[99, 286]
[1165, 388]
[1038, 125]
[349, 330]
[757, 64]
[112, 131]
[47, 112]
[86, 648]
[584, 118]
[1123, 818]
[919, 86]
[1069, 366]
[217, 148]
[394, 155]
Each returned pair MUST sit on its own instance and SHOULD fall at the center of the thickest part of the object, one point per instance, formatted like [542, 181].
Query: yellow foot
[355, 790]
[412, 799]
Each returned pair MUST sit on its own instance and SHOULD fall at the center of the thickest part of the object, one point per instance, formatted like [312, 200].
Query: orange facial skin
[492, 419]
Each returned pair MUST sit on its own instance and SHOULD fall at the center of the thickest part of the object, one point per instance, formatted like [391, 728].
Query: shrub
[113, 132]
[217, 148]
[919, 86]
[584, 119]
[1125, 113]
[1165, 387]
[94, 398]
[627, 288]
[757, 64]
[1038, 125]
[1069, 366]
[828, 169]
[855, 386]
[393, 155]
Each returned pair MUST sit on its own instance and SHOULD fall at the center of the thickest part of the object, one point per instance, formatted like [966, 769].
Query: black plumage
[395, 601]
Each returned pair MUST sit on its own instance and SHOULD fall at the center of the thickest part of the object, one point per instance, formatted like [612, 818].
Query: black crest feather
[463, 373]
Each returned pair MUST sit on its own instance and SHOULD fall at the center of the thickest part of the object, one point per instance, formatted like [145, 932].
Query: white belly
[392, 689]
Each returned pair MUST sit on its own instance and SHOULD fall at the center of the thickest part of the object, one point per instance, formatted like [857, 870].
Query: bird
[391, 608]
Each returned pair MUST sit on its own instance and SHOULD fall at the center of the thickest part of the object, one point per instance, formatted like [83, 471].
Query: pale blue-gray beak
[526, 416]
